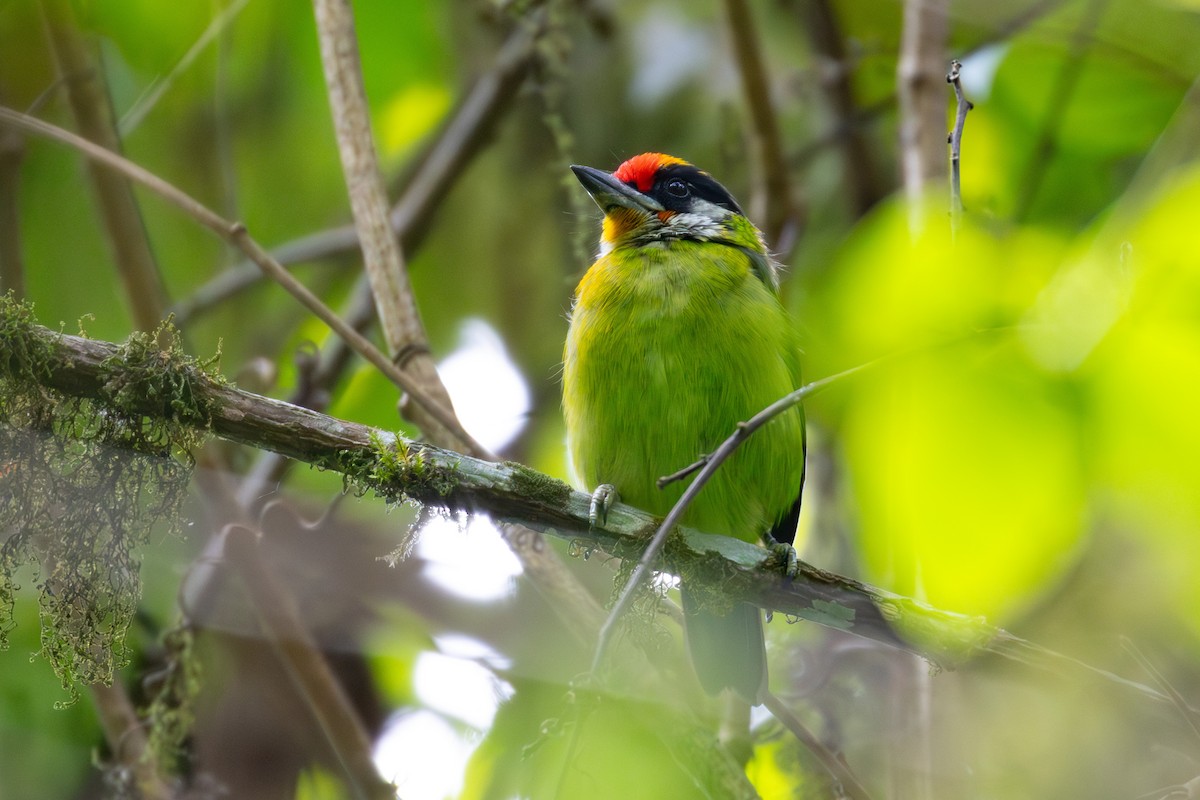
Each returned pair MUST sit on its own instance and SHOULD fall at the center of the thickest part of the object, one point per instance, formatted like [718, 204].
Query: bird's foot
[602, 500]
[784, 554]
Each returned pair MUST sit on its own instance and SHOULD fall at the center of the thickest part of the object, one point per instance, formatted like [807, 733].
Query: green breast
[669, 348]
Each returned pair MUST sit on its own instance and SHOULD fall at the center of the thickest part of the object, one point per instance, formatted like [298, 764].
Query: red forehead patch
[640, 170]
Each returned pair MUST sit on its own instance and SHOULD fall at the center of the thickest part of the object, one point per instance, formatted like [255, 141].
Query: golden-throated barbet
[677, 334]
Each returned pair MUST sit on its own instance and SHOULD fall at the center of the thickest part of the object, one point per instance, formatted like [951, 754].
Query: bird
[676, 334]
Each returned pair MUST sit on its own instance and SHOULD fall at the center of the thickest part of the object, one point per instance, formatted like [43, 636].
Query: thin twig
[236, 234]
[961, 106]
[1056, 107]
[132, 118]
[1189, 714]
[690, 469]
[436, 173]
[853, 125]
[781, 214]
[437, 170]
[710, 465]
[88, 96]
[837, 766]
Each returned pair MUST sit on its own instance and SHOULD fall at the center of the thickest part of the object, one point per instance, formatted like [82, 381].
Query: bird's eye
[677, 188]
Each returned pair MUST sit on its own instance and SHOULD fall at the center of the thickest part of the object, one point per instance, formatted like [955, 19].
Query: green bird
[677, 334]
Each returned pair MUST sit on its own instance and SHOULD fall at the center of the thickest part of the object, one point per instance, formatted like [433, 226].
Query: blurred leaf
[411, 113]
[967, 479]
[963, 458]
[1114, 108]
[545, 744]
[777, 774]
[1145, 375]
[316, 783]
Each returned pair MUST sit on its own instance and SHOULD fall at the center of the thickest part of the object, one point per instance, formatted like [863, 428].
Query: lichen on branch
[85, 480]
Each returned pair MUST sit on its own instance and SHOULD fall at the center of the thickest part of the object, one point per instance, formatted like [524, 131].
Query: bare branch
[961, 106]
[314, 680]
[127, 740]
[437, 169]
[12, 263]
[236, 234]
[922, 106]
[858, 161]
[836, 765]
[781, 214]
[384, 263]
[88, 96]
[80, 367]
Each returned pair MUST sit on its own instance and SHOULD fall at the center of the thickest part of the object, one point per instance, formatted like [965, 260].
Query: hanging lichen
[83, 483]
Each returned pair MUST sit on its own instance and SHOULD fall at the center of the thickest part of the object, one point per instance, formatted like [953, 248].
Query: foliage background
[1029, 455]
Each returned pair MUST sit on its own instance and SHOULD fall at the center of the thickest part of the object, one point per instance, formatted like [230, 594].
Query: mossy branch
[398, 470]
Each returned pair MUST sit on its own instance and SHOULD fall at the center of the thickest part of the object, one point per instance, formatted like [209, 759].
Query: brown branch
[12, 263]
[778, 208]
[919, 76]
[236, 234]
[394, 301]
[127, 740]
[80, 367]
[835, 764]
[88, 96]
[314, 680]
[437, 171]
[542, 565]
[858, 161]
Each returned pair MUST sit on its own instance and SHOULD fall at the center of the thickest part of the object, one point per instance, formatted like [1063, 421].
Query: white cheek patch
[702, 222]
[692, 225]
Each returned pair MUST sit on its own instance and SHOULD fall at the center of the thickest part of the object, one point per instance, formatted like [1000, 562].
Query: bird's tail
[728, 652]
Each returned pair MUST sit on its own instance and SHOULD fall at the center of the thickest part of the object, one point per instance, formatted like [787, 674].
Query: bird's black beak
[609, 193]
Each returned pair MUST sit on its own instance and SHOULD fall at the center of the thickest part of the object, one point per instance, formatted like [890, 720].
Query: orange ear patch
[640, 170]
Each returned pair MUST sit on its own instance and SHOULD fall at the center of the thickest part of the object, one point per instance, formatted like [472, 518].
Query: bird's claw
[602, 500]
[783, 553]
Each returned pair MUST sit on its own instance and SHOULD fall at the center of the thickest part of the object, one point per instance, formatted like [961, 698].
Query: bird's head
[655, 198]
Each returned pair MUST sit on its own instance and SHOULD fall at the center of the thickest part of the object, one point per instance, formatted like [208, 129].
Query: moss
[396, 470]
[85, 481]
[151, 377]
[712, 581]
[537, 486]
[170, 714]
[24, 355]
